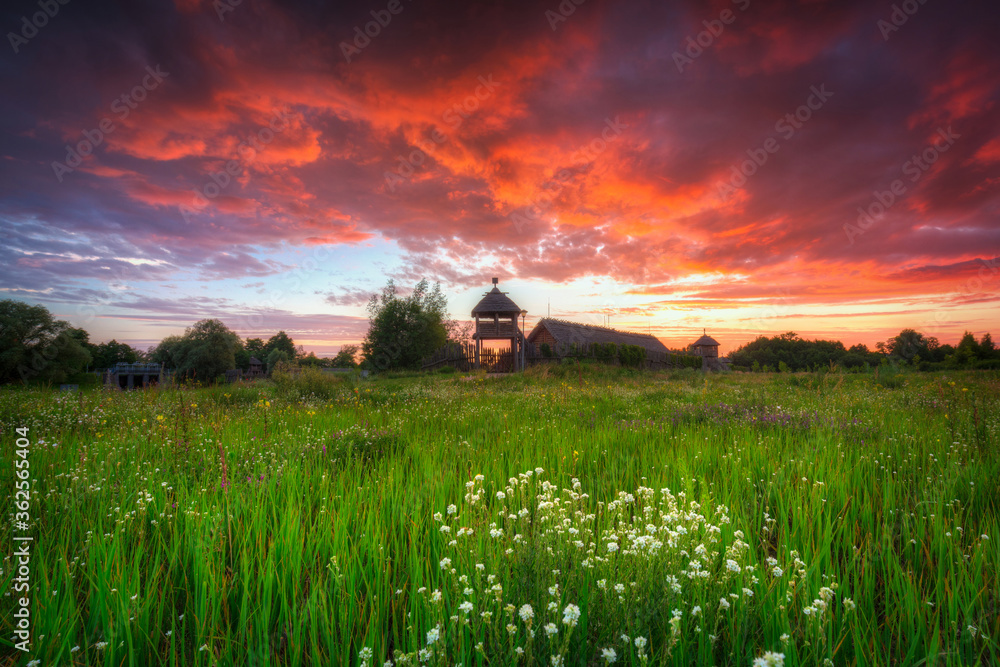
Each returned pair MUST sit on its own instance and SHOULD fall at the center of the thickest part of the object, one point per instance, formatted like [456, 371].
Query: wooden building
[496, 319]
[561, 333]
[706, 346]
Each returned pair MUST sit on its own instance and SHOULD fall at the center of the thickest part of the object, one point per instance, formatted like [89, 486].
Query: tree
[347, 357]
[280, 341]
[910, 343]
[34, 345]
[403, 331]
[108, 354]
[968, 350]
[275, 357]
[206, 350]
[987, 350]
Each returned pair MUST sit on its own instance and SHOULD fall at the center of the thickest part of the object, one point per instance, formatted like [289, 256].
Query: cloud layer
[702, 155]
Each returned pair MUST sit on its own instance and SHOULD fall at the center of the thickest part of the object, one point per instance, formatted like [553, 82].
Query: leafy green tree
[34, 345]
[347, 357]
[403, 331]
[276, 357]
[280, 341]
[789, 352]
[967, 350]
[205, 351]
[987, 349]
[910, 343]
[108, 354]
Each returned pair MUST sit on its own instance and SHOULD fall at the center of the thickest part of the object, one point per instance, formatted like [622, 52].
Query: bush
[632, 355]
[546, 350]
[604, 352]
[690, 361]
[293, 384]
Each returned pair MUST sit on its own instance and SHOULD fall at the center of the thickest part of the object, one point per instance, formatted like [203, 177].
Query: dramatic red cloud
[484, 140]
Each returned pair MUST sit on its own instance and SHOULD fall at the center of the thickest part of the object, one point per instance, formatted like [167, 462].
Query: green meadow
[571, 515]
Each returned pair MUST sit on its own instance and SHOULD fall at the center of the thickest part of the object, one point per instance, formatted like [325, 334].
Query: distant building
[124, 375]
[559, 332]
[708, 348]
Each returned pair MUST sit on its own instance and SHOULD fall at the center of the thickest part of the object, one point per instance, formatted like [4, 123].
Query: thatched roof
[496, 302]
[705, 340]
[585, 334]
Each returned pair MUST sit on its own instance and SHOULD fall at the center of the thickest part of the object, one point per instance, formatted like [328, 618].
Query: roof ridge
[595, 326]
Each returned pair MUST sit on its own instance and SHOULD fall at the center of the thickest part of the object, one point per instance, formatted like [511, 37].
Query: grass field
[572, 515]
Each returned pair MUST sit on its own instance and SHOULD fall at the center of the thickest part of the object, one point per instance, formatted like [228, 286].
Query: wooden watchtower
[496, 319]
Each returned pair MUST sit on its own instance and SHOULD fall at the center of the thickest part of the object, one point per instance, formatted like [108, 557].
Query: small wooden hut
[496, 319]
[706, 346]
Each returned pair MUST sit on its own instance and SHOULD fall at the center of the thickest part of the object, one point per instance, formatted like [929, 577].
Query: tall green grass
[293, 523]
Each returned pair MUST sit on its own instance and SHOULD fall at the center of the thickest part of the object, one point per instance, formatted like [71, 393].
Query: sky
[745, 167]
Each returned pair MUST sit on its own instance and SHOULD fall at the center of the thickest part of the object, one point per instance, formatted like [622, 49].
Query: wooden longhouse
[563, 334]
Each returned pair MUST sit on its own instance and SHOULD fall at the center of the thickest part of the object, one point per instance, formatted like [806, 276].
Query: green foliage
[251, 347]
[604, 352]
[106, 355]
[296, 384]
[34, 346]
[363, 444]
[282, 342]
[690, 361]
[632, 356]
[276, 357]
[205, 351]
[799, 355]
[257, 529]
[546, 350]
[403, 331]
[347, 357]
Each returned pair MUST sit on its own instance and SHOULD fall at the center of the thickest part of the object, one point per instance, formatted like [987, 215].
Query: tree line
[789, 352]
[402, 331]
[36, 347]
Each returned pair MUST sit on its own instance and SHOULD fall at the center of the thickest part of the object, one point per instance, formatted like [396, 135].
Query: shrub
[631, 355]
[605, 352]
[294, 384]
